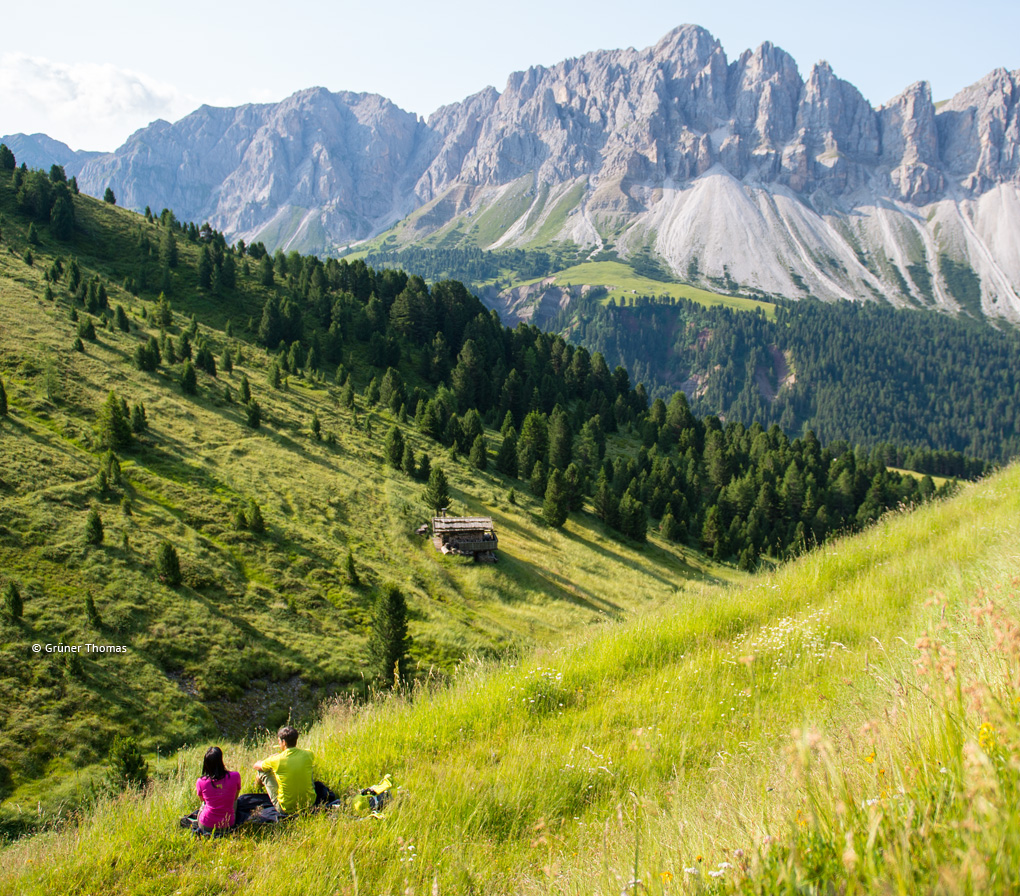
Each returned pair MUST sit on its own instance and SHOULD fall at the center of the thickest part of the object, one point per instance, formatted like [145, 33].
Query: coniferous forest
[933, 386]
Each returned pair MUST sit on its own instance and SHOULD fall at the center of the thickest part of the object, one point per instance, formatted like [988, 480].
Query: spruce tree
[350, 571]
[389, 643]
[113, 426]
[91, 613]
[94, 528]
[244, 389]
[538, 479]
[168, 565]
[316, 427]
[253, 414]
[554, 508]
[13, 605]
[408, 463]
[479, 456]
[128, 767]
[506, 459]
[256, 523]
[139, 424]
[394, 447]
[437, 492]
[3, 399]
[189, 379]
[273, 376]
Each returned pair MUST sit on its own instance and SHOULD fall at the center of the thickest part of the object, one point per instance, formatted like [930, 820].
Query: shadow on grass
[559, 586]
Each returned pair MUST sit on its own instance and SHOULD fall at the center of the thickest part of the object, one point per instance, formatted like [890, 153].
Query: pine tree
[139, 423]
[390, 641]
[256, 523]
[538, 479]
[253, 414]
[316, 427]
[244, 389]
[113, 426]
[506, 459]
[3, 399]
[91, 613]
[437, 492]
[94, 528]
[554, 508]
[128, 767]
[109, 197]
[168, 565]
[350, 571]
[227, 361]
[13, 605]
[479, 456]
[393, 449]
[189, 379]
[409, 463]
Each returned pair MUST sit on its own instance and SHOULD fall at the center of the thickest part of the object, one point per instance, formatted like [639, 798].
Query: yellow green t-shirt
[293, 770]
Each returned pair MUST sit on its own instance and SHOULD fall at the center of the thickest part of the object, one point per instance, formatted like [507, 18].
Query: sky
[91, 74]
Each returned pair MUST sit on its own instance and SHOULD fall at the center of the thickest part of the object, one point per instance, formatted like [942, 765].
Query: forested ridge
[867, 374]
[573, 431]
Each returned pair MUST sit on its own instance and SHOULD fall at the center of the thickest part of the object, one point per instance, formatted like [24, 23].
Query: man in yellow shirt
[287, 776]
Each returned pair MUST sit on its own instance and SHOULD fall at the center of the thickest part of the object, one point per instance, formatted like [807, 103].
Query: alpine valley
[737, 175]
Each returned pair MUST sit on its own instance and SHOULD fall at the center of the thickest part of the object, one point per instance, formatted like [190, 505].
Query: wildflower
[666, 877]
[692, 870]
[870, 758]
[986, 737]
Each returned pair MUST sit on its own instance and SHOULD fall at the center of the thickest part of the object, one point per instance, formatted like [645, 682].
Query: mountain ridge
[741, 170]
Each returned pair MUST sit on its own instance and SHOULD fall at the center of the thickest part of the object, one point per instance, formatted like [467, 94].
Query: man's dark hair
[212, 766]
[288, 735]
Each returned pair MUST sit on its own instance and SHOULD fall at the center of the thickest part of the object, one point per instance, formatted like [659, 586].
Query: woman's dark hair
[212, 766]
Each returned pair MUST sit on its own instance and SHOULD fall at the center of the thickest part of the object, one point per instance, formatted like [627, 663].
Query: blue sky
[90, 74]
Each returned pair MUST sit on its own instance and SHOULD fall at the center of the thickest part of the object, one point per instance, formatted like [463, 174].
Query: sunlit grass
[752, 736]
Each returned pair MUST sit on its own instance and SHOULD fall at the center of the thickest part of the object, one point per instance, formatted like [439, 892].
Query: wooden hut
[467, 536]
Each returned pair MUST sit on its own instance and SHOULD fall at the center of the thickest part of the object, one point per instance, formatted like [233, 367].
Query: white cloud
[86, 105]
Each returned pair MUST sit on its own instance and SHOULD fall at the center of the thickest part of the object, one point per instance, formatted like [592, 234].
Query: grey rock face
[647, 135]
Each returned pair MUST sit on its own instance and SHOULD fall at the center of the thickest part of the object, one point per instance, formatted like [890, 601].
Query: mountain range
[743, 172]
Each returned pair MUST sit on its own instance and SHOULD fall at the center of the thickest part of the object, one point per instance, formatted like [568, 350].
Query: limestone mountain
[738, 171]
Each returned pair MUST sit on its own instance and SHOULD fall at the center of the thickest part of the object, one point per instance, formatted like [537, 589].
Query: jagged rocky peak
[910, 145]
[979, 131]
[764, 93]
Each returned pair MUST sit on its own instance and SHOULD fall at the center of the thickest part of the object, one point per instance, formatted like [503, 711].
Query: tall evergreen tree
[93, 528]
[113, 426]
[394, 447]
[437, 492]
[554, 508]
[13, 605]
[168, 565]
[390, 642]
[256, 523]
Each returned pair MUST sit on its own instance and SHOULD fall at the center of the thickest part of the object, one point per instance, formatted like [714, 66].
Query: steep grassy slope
[846, 724]
[264, 625]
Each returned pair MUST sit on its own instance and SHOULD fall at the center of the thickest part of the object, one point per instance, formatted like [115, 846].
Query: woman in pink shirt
[218, 789]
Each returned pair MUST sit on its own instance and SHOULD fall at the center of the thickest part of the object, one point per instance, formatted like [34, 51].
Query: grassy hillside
[265, 625]
[845, 724]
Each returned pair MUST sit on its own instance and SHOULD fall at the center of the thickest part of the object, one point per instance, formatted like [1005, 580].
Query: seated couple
[286, 776]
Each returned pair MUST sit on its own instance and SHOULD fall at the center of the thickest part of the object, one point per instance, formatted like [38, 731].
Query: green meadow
[847, 723]
[621, 282]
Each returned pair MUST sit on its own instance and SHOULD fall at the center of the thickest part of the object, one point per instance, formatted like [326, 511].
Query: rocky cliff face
[744, 168]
